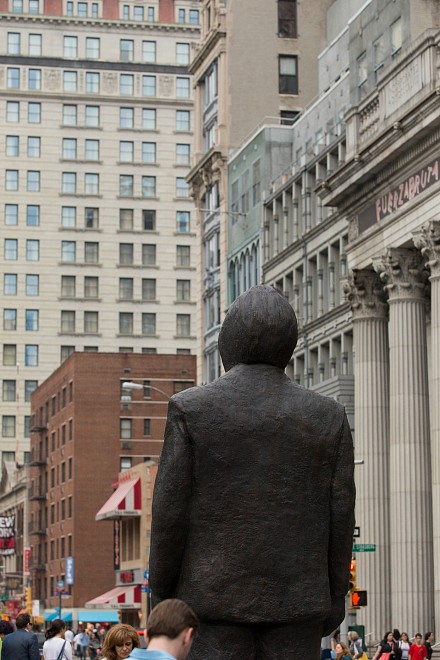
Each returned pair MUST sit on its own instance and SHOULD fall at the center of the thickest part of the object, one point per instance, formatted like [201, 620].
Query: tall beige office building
[98, 247]
[256, 59]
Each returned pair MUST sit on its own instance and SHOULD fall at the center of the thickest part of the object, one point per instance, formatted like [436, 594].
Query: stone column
[428, 241]
[370, 337]
[411, 594]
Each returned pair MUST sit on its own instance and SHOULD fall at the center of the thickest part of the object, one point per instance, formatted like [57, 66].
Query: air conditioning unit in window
[126, 445]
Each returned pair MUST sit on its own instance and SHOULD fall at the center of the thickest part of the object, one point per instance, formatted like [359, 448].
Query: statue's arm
[171, 500]
[341, 525]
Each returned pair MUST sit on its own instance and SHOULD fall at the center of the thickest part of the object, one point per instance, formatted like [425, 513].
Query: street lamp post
[129, 385]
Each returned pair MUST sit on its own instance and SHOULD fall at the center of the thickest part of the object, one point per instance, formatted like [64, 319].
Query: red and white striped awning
[125, 502]
[118, 598]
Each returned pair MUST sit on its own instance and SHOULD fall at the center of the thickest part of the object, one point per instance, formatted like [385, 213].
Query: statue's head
[260, 328]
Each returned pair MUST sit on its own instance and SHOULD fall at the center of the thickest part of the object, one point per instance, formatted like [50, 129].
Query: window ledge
[84, 230]
[137, 301]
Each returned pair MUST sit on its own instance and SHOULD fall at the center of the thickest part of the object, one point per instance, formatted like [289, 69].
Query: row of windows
[9, 424]
[9, 389]
[91, 218]
[30, 355]
[93, 82]
[146, 321]
[10, 249]
[31, 320]
[93, 10]
[92, 116]
[126, 428]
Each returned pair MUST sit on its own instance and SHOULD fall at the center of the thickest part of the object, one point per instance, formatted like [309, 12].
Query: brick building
[85, 428]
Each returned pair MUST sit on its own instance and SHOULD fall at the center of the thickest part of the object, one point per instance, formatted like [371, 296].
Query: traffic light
[352, 580]
[29, 600]
[358, 598]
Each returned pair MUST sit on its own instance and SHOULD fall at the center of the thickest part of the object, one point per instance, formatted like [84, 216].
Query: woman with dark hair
[386, 646]
[56, 647]
[119, 642]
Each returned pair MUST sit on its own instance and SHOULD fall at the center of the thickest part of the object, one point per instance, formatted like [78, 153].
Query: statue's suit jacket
[253, 507]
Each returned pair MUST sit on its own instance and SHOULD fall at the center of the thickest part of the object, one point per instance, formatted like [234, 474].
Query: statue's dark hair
[259, 328]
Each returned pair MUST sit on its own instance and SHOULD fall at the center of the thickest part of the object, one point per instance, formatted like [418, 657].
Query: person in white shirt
[56, 647]
[68, 635]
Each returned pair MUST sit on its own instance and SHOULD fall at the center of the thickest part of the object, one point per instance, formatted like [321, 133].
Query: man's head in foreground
[171, 627]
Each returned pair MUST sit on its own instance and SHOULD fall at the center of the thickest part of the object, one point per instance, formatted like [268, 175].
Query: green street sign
[364, 547]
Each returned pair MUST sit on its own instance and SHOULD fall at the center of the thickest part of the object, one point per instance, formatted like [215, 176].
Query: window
[33, 181]
[10, 319]
[150, 14]
[126, 184]
[91, 252]
[182, 187]
[126, 12]
[288, 74]
[148, 186]
[9, 390]
[70, 115]
[256, 182]
[182, 54]
[396, 36]
[149, 51]
[9, 355]
[149, 85]
[35, 45]
[126, 254]
[29, 387]
[32, 215]
[148, 220]
[182, 87]
[126, 323]
[92, 83]
[70, 81]
[13, 78]
[148, 254]
[149, 119]
[182, 120]
[68, 286]
[67, 321]
[95, 10]
[148, 152]
[32, 250]
[378, 55]
[11, 214]
[148, 289]
[65, 352]
[91, 218]
[8, 426]
[287, 22]
[34, 113]
[362, 73]
[126, 219]
[194, 16]
[12, 111]
[148, 323]
[11, 179]
[126, 151]
[69, 8]
[70, 47]
[93, 48]
[68, 251]
[31, 320]
[181, 16]
[182, 154]
[183, 325]
[125, 429]
[91, 150]
[31, 355]
[14, 41]
[92, 115]
[183, 256]
[34, 147]
[147, 425]
[69, 468]
[126, 84]
[10, 284]
[126, 288]
[69, 183]
[91, 184]
[126, 50]
[183, 290]
[34, 78]
[91, 322]
[32, 285]
[68, 216]
[34, 6]
[11, 249]
[82, 9]
[126, 117]
[91, 287]
[12, 145]
[69, 149]
[182, 221]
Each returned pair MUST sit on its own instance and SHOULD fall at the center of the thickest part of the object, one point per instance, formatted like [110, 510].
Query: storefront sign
[7, 535]
[70, 570]
[401, 194]
[133, 576]
[117, 544]
[26, 561]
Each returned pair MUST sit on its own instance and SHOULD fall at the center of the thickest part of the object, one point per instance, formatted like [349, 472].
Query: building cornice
[204, 50]
[93, 65]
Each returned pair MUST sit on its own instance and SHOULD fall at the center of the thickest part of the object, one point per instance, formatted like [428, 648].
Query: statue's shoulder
[194, 395]
[317, 401]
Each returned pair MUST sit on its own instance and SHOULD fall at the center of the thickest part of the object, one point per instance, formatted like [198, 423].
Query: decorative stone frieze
[365, 293]
[403, 273]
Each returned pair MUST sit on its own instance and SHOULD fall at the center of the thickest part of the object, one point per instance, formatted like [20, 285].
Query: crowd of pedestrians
[394, 646]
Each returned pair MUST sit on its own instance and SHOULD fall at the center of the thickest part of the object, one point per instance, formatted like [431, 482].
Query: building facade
[236, 87]
[96, 224]
[86, 429]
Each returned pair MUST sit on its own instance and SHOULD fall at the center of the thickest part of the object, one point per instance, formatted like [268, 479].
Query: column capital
[366, 294]
[403, 273]
[427, 240]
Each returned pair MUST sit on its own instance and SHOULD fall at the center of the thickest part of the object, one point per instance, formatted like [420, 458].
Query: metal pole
[59, 614]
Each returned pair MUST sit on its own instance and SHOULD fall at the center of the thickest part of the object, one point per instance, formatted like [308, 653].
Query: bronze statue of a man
[253, 509]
